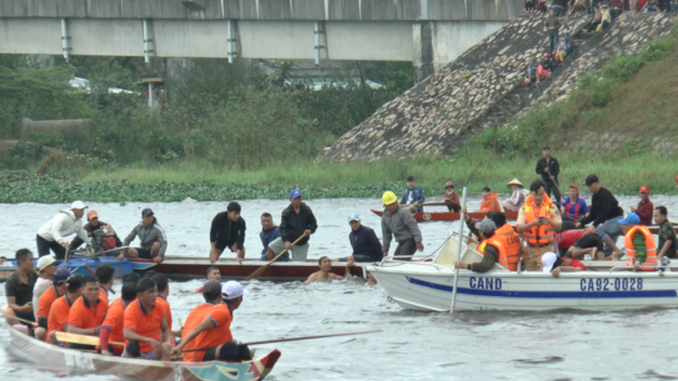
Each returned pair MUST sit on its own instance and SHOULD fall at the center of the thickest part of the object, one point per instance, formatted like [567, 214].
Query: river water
[413, 345]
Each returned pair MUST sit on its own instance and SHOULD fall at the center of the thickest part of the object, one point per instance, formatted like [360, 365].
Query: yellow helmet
[389, 198]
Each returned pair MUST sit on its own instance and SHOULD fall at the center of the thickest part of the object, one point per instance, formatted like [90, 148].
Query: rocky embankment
[484, 87]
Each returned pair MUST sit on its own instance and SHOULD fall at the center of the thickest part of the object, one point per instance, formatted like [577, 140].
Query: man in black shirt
[549, 168]
[228, 231]
[297, 221]
[605, 213]
[19, 290]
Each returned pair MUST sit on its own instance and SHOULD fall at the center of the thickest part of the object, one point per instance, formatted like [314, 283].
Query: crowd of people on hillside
[615, 7]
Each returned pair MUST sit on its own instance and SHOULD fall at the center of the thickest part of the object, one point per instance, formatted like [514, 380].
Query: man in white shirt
[52, 235]
[47, 265]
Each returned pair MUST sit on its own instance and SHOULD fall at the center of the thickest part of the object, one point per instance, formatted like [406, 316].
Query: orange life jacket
[502, 260]
[538, 235]
[650, 263]
[511, 242]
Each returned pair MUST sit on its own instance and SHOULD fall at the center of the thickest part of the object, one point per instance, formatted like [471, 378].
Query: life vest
[538, 235]
[650, 263]
[577, 208]
[502, 260]
[511, 243]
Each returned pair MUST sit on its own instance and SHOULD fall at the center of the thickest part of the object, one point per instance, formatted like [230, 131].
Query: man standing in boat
[413, 196]
[490, 247]
[297, 220]
[152, 239]
[549, 168]
[19, 290]
[228, 231]
[401, 225]
[52, 235]
[605, 213]
[538, 222]
[143, 324]
[667, 234]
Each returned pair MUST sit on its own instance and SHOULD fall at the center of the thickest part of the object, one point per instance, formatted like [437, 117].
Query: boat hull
[76, 265]
[77, 362]
[447, 216]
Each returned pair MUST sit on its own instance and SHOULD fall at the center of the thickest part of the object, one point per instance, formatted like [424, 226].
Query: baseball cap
[46, 261]
[631, 219]
[232, 290]
[353, 217]
[212, 286]
[147, 212]
[78, 205]
[590, 180]
[644, 189]
[574, 187]
[449, 184]
[91, 214]
[61, 275]
[548, 259]
[294, 193]
[487, 226]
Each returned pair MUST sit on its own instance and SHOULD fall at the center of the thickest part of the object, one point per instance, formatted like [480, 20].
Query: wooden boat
[72, 361]
[447, 216]
[76, 265]
[195, 267]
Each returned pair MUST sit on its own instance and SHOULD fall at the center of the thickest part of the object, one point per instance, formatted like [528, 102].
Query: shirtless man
[325, 264]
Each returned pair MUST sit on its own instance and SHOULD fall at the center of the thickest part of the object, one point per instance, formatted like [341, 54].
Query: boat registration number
[617, 284]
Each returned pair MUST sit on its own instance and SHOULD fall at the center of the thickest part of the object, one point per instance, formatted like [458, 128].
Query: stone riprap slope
[437, 115]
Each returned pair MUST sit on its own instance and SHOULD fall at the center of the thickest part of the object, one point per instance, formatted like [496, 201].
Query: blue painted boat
[76, 265]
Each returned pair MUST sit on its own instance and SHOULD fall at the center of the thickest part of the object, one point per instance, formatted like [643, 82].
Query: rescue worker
[399, 224]
[490, 247]
[504, 233]
[641, 249]
[538, 221]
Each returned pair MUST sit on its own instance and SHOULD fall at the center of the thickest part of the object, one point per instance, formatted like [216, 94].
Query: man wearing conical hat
[517, 199]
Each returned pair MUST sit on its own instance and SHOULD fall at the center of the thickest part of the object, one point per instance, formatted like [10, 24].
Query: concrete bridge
[431, 33]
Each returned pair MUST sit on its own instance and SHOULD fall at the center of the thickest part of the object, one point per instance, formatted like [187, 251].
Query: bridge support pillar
[148, 41]
[422, 42]
[65, 39]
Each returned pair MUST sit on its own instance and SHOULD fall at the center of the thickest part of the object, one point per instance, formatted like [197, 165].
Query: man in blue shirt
[269, 232]
[364, 241]
[413, 196]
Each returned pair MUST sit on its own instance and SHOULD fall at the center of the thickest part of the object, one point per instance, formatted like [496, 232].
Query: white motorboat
[427, 283]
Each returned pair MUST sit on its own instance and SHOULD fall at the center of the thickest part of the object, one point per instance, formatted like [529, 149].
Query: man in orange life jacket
[538, 221]
[504, 234]
[641, 249]
[490, 247]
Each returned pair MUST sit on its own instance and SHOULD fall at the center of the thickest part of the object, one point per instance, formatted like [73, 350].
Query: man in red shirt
[88, 312]
[645, 207]
[211, 291]
[143, 323]
[111, 329]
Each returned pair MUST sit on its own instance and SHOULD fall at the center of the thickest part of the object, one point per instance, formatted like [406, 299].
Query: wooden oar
[459, 238]
[74, 338]
[263, 268]
[34, 324]
[293, 339]
[426, 204]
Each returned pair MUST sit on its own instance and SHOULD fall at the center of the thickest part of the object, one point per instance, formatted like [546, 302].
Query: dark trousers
[44, 246]
[553, 41]
[452, 206]
[406, 247]
[550, 186]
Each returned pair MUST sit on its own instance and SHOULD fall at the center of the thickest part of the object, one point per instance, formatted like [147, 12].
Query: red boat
[448, 216]
[193, 267]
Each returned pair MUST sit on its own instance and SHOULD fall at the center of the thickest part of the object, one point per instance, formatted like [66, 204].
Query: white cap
[78, 205]
[46, 261]
[232, 290]
[548, 259]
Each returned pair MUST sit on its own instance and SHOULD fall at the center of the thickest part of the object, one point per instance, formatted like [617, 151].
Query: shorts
[299, 252]
[590, 240]
[145, 254]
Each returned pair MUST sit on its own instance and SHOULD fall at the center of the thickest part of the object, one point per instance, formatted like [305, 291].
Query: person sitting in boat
[326, 274]
[163, 292]
[213, 273]
[605, 213]
[48, 298]
[101, 234]
[538, 221]
[211, 292]
[504, 233]
[413, 196]
[52, 235]
[667, 234]
[451, 198]
[228, 231]
[573, 205]
[297, 221]
[47, 266]
[489, 202]
[61, 308]
[152, 239]
[213, 332]
[105, 273]
[641, 249]
[19, 290]
[143, 323]
[555, 265]
[579, 244]
[88, 312]
[517, 199]
[112, 327]
[645, 206]
[401, 225]
[490, 247]
[269, 232]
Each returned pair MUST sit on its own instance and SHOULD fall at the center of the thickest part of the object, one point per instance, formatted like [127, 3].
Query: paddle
[427, 204]
[293, 339]
[263, 268]
[34, 324]
[461, 236]
[66, 337]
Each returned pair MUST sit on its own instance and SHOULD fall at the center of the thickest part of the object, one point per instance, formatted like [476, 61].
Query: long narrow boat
[76, 265]
[54, 358]
[447, 216]
[429, 285]
[195, 267]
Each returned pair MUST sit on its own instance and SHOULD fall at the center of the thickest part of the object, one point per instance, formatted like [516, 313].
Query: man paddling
[211, 292]
[641, 249]
[61, 308]
[213, 333]
[112, 327]
[48, 298]
[401, 225]
[52, 235]
[161, 302]
[47, 266]
[451, 198]
[228, 231]
[152, 239]
[87, 312]
[143, 324]
[667, 234]
[325, 273]
[297, 220]
[491, 248]
[19, 290]
[105, 273]
[605, 213]
[538, 222]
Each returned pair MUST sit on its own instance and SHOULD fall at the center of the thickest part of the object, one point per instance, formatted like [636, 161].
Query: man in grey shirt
[398, 223]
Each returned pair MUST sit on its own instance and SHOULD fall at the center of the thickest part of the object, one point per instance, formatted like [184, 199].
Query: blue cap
[61, 275]
[294, 193]
[631, 219]
[146, 212]
[353, 217]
